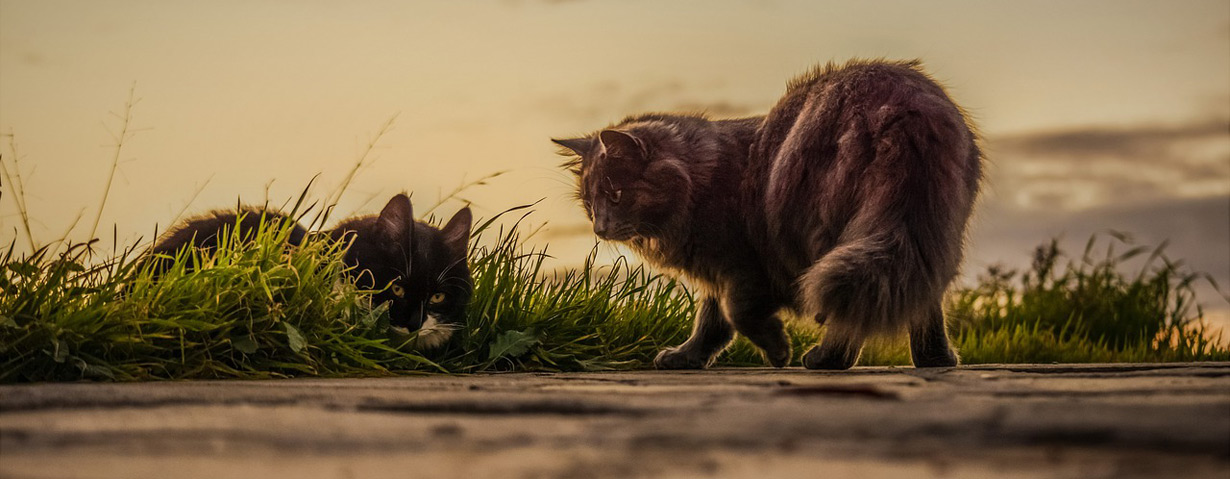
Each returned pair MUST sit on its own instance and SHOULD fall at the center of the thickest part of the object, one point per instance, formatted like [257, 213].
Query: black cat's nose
[600, 229]
[411, 319]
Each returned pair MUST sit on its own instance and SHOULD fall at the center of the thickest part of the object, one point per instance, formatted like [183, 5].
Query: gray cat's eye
[616, 195]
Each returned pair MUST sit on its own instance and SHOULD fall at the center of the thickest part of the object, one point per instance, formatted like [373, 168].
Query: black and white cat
[421, 271]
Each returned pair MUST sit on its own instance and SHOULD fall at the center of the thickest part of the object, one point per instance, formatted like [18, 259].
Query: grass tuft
[260, 309]
[1085, 310]
[252, 310]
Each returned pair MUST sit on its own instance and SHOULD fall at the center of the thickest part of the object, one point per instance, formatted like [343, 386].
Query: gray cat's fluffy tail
[876, 284]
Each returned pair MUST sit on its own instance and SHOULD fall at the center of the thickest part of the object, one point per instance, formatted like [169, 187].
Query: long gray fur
[847, 202]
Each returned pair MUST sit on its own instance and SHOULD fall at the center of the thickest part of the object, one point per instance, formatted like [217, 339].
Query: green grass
[251, 310]
[1085, 310]
[591, 318]
[257, 310]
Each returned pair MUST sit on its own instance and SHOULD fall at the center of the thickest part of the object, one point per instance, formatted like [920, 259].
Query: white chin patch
[433, 333]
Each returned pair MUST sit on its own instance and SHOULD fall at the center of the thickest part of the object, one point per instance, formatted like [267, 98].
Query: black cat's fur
[420, 270]
[847, 202]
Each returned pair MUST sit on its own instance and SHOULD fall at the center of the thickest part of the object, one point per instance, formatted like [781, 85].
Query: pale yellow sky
[1098, 114]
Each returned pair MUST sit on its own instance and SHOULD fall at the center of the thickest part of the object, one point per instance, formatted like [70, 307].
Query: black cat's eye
[437, 298]
[398, 291]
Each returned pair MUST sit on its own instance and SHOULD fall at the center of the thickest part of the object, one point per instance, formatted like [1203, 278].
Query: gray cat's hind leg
[711, 333]
[929, 341]
[837, 351]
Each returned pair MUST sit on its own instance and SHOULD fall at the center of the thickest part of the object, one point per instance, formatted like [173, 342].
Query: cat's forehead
[609, 167]
[432, 251]
[595, 172]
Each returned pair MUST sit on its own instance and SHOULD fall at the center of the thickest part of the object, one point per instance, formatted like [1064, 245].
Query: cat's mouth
[400, 330]
[431, 335]
[622, 234]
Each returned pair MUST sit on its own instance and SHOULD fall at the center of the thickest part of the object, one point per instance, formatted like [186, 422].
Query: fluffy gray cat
[847, 202]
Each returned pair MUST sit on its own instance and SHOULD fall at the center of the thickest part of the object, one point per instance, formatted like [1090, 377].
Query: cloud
[611, 101]
[1156, 182]
[1140, 143]
[518, 3]
[568, 230]
[650, 96]
[1197, 230]
[720, 109]
[1082, 168]
[32, 59]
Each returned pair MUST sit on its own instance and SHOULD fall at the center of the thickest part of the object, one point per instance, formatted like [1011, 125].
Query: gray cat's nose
[600, 229]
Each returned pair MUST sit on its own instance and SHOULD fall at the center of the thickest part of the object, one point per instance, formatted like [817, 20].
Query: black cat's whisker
[449, 268]
[408, 257]
[453, 288]
[452, 282]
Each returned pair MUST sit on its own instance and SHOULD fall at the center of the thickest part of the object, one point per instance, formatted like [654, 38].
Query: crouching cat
[847, 202]
[420, 270]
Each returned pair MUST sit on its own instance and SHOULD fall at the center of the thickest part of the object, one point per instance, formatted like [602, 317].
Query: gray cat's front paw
[778, 358]
[676, 358]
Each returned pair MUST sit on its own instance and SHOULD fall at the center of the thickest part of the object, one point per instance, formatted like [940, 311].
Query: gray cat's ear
[622, 144]
[397, 218]
[580, 146]
[457, 231]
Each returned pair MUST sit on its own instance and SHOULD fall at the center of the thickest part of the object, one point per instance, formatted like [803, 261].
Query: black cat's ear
[457, 231]
[579, 146]
[397, 218]
[621, 144]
